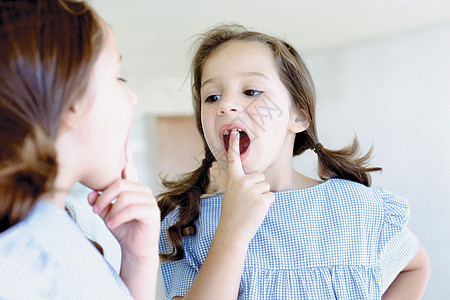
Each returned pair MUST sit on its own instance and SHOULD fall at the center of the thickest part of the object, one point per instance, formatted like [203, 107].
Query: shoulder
[165, 246]
[391, 208]
[27, 267]
[31, 241]
[179, 275]
[47, 254]
[195, 246]
[210, 207]
[209, 215]
[350, 190]
[388, 201]
[170, 219]
[355, 200]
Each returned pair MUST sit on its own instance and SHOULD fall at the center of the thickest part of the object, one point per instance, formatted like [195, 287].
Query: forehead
[110, 52]
[249, 55]
[107, 64]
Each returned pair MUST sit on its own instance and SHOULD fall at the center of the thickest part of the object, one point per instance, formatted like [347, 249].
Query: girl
[65, 116]
[275, 233]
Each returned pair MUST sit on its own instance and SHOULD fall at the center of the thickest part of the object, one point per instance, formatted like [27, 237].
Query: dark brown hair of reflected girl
[48, 49]
[185, 194]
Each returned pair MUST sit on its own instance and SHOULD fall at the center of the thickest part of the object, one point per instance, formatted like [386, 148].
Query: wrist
[139, 269]
[232, 240]
[139, 275]
[131, 258]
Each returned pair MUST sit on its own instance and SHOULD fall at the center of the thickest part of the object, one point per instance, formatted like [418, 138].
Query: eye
[212, 98]
[252, 93]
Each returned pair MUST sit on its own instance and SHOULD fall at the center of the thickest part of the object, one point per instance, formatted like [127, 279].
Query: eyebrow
[118, 60]
[242, 74]
[250, 74]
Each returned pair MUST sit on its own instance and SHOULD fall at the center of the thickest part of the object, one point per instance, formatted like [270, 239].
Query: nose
[229, 104]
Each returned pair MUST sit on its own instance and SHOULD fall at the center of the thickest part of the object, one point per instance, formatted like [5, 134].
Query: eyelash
[122, 79]
[248, 93]
[209, 99]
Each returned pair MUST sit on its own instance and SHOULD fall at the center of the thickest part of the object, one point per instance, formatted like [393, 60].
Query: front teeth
[227, 132]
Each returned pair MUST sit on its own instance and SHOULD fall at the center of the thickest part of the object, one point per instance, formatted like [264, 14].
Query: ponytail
[27, 172]
[184, 194]
[346, 163]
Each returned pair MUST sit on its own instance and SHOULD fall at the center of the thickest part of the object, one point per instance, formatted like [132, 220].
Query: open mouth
[244, 140]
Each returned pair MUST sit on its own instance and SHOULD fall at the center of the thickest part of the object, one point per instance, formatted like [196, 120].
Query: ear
[298, 122]
[73, 116]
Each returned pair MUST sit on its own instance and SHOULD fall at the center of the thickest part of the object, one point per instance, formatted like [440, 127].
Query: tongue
[244, 142]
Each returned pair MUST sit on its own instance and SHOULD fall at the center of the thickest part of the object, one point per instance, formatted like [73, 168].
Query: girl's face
[241, 88]
[107, 118]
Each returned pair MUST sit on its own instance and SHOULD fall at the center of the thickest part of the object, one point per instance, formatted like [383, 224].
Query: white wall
[393, 93]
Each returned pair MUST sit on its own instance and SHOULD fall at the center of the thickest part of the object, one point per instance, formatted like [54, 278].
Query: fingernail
[91, 197]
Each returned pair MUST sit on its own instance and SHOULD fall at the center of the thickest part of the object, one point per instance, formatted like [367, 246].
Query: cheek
[207, 124]
[212, 141]
[211, 135]
[267, 113]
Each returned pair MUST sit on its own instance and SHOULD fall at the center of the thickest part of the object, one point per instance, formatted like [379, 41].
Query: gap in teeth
[227, 132]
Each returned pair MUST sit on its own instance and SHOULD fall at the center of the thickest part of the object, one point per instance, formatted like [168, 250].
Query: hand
[131, 213]
[247, 198]
[134, 217]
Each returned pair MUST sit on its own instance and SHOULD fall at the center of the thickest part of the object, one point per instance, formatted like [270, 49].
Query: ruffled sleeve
[179, 275]
[398, 245]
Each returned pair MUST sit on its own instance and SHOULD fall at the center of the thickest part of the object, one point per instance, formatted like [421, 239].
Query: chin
[100, 183]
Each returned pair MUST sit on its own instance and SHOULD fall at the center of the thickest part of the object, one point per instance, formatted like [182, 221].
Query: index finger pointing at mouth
[129, 172]
[234, 155]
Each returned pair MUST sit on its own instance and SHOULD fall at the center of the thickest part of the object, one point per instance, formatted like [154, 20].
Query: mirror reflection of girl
[275, 233]
[65, 117]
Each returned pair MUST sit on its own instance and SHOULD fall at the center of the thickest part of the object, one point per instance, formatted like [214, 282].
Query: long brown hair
[47, 53]
[346, 163]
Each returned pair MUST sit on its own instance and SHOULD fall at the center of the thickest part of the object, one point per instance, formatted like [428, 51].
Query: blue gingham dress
[336, 240]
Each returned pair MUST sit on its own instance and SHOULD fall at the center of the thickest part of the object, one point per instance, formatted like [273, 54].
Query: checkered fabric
[46, 256]
[336, 240]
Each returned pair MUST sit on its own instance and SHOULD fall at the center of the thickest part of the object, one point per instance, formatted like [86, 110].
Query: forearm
[244, 206]
[410, 284]
[140, 275]
[220, 274]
